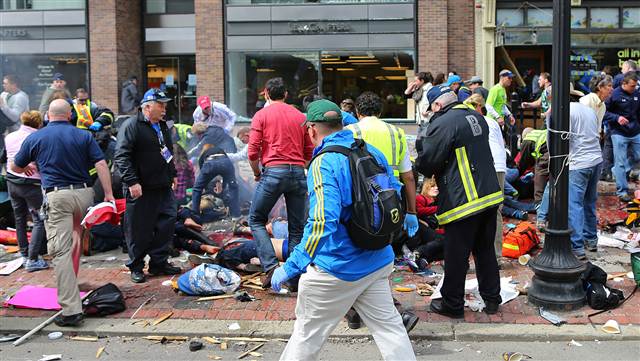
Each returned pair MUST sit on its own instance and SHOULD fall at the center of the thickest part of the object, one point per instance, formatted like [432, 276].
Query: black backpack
[104, 300]
[377, 208]
[599, 295]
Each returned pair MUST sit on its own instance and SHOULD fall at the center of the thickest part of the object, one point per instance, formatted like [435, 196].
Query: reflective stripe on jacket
[455, 148]
[539, 137]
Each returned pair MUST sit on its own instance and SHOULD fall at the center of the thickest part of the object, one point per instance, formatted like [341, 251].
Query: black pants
[149, 223]
[607, 154]
[473, 235]
[428, 243]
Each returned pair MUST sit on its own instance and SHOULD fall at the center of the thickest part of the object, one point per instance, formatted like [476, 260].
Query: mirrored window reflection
[247, 73]
[349, 74]
[579, 18]
[42, 4]
[605, 18]
[509, 17]
[631, 18]
[169, 6]
[540, 17]
[249, 2]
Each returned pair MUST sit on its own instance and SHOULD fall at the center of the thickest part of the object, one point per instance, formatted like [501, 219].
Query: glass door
[176, 76]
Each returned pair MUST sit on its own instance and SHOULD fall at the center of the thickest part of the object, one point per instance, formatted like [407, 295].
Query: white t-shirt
[497, 146]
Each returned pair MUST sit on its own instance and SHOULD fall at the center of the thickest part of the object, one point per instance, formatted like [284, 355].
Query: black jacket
[138, 156]
[454, 147]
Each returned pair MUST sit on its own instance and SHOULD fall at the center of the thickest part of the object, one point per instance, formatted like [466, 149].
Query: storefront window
[509, 17]
[250, 2]
[605, 18]
[35, 72]
[169, 7]
[540, 17]
[578, 18]
[41, 4]
[247, 74]
[631, 18]
[176, 76]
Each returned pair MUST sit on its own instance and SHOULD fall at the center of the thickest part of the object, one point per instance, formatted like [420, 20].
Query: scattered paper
[51, 357]
[473, 300]
[574, 343]
[7, 268]
[41, 298]
[167, 283]
[234, 326]
[551, 317]
[54, 335]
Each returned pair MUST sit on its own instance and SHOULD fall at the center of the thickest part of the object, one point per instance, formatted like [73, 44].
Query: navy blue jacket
[623, 104]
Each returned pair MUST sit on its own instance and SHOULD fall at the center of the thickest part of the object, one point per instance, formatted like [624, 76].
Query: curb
[282, 329]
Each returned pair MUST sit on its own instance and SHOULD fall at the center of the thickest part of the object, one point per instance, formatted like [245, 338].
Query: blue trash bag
[208, 280]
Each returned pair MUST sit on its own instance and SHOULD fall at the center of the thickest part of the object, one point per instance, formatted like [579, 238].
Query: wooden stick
[253, 287]
[139, 308]
[44, 324]
[250, 351]
[211, 298]
[248, 277]
[162, 318]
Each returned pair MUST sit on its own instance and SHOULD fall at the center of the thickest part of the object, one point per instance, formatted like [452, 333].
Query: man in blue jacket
[337, 275]
[622, 115]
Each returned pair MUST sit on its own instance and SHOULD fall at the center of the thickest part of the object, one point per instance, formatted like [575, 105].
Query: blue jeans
[291, 182]
[510, 177]
[622, 163]
[212, 168]
[583, 193]
[543, 210]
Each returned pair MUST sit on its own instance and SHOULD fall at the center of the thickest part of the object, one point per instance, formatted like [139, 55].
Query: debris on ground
[243, 296]
[425, 289]
[248, 352]
[514, 356]
[51, 357]
[224, 346]
[195, 345]
[165, 339]
[162, 318]
[551, 317]
[54, 335]
[213, 298]
[214, 357]
[234, 326]
[212, 340]
[246, 339]
[85, 338]
[7, 268]
[142, 305]
[611, 326]
[9, 338]
[574, 343]
[100, 351]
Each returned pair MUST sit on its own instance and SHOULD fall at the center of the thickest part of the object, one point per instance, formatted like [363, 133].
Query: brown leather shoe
[265, 279]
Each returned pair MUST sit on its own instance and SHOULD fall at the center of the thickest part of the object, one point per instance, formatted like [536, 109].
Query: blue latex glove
[96, 126]
[411, 224]
[279, 277]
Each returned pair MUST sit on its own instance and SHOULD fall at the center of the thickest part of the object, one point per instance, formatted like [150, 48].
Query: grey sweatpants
[324, 299]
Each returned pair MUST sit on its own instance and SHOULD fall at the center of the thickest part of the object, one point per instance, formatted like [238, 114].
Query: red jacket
[426, 207]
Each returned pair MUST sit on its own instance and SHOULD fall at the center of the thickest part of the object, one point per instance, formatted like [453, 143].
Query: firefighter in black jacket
[144, 157]
[454, 147]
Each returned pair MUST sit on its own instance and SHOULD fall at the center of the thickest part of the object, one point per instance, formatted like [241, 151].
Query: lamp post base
[556, 284]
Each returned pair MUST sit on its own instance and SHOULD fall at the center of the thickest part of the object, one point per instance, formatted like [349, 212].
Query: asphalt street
[131, 349]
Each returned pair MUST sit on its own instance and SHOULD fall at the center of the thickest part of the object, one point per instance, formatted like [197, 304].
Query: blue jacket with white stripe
[325, 241]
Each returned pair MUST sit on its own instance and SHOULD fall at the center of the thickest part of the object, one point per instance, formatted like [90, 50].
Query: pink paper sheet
[41, 298]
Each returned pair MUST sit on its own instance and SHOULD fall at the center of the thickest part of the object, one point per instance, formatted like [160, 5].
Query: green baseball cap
[317, 112]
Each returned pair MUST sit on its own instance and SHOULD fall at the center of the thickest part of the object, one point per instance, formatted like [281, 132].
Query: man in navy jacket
[623, 118]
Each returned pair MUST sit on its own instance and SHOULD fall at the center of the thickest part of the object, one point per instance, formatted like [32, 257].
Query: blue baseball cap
[58, 76]
[506, 72]
[155, 95]
[435, 93]
[454, 79]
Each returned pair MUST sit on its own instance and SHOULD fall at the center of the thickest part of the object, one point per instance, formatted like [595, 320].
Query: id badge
[166, 154]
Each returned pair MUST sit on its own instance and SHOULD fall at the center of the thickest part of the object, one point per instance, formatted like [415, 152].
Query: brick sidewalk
[97, 271]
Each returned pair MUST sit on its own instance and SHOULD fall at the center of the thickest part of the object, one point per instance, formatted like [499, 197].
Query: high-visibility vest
[184, 135]
[539, 137]
[83, 114]
[385, 137]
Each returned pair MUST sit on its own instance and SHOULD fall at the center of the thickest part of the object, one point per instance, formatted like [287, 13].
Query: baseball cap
[204, 102]
[506, 72]
[475, 79]
[58, 76]
[435, 92]
[317, 112]
[454, 79]
[155, 95]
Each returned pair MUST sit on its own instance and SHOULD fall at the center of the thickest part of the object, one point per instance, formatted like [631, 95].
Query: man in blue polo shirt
[64, 154]
[336, 274]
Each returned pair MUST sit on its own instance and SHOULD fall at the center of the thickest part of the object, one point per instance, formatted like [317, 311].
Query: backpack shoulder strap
[333, 149]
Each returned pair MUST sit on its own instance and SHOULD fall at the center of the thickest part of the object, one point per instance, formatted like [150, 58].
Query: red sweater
[278, 137]
[426, 207]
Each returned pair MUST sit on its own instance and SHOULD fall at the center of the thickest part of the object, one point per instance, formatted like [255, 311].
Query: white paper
[507, 291]
[7, 268]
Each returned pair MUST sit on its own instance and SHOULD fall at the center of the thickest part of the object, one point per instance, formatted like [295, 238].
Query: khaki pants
[498, 239]
[324, 299]
[66, 209]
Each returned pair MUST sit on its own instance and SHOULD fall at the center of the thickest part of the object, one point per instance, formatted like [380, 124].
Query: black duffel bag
[103, 301]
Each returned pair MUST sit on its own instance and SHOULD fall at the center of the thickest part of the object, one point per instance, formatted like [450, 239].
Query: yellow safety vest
[385, 137]
[83, 114]
[184, 134]
[539, 137]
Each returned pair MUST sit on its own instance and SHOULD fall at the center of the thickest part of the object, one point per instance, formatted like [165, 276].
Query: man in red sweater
[280, 144]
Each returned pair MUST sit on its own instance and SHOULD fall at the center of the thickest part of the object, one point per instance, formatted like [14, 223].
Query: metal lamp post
[556, 283]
